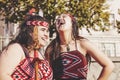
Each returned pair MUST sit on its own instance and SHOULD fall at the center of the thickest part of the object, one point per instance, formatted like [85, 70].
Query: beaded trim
[37, 23]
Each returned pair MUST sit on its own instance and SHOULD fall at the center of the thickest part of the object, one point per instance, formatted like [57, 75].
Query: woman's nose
[46, 33]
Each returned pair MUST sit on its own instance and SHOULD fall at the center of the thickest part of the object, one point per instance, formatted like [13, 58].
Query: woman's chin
[43, 44]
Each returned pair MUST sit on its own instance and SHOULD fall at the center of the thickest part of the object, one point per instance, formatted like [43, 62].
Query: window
[109, 49]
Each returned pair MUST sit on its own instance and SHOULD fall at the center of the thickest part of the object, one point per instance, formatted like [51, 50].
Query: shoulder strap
[35, 54]
[25, 51]
[76, 44]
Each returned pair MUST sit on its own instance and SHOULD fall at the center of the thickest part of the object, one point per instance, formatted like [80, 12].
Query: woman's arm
[9, 59]
[101, 58]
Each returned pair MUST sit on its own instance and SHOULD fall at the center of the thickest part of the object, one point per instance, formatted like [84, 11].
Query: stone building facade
[110, 45]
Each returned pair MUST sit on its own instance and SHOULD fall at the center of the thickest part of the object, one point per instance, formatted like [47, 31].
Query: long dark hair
[24, 36]
[53, 49]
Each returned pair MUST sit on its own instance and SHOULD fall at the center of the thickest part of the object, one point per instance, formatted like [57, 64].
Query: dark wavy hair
[53, 49]
[24, 37]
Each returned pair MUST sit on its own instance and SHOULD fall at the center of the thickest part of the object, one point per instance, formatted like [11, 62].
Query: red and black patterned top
[25, 70]
[70, 65]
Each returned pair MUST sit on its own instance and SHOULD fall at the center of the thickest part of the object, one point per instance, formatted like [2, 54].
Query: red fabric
[35, 54]
[70, 65]
[37, 23]
[25, 70]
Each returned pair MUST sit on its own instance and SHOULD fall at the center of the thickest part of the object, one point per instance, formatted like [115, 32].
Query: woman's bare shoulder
[14, 48]
[85, 43]
[13, 54]
[15, 45]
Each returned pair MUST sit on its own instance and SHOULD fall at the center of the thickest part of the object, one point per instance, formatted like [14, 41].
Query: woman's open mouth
[60, 22]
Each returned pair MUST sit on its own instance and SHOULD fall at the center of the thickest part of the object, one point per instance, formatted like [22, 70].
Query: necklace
[40, 51]
[68, 47]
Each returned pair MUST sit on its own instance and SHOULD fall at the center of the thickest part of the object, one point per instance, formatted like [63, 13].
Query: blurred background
[98, 20]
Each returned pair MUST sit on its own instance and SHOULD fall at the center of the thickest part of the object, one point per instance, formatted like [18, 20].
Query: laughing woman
[69, 53]
[21, 59]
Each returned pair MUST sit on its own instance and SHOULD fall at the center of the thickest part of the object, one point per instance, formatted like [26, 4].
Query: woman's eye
[47, 30]
[42, 29]
[64, 16]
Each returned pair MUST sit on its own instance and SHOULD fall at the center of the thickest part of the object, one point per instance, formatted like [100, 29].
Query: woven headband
[37, 23]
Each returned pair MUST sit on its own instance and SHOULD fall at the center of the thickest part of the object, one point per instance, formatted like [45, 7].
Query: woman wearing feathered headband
[69, 53]
[21, 59]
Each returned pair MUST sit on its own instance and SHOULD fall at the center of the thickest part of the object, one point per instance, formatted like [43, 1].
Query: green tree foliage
[90, 14]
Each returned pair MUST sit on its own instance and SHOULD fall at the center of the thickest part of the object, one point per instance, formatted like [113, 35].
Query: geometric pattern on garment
[69, 62]
[45, 71]
[83, 70]
[20, 75]
[25, 70]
